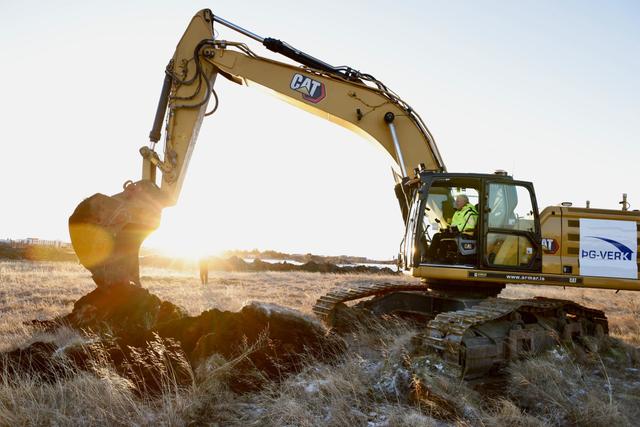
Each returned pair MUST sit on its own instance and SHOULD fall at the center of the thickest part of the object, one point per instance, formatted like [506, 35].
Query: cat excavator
[462, 271]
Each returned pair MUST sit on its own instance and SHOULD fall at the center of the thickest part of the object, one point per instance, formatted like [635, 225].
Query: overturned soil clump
[147, 340]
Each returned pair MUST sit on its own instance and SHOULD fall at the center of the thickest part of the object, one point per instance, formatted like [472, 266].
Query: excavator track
[486, 333]
[498, 330]
[326, 306]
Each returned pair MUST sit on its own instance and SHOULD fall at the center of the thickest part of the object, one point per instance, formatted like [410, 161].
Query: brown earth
[132, 328]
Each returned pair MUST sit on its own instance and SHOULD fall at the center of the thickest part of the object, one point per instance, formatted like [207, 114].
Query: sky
[547, 90]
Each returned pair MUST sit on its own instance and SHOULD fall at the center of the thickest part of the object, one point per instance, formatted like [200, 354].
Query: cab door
[511, 237]
[410, 251]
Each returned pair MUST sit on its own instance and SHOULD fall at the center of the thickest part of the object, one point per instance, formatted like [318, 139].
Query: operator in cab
[465, 217]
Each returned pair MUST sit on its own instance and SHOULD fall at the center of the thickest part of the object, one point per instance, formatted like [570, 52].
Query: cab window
[510, 220]
[510, 207]
[440, 207]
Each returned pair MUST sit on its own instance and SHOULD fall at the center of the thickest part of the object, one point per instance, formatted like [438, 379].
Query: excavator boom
[107, 232]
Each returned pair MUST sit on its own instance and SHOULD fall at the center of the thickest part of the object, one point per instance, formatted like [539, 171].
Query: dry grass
[371, 385]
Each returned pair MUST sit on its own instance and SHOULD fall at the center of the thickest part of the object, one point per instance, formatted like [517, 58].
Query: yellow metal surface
[551, 227]
[185, 116]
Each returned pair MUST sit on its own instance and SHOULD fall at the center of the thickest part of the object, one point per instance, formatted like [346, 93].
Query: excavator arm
[107, 232]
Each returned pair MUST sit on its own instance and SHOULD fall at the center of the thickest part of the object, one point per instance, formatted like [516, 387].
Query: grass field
[368, 386]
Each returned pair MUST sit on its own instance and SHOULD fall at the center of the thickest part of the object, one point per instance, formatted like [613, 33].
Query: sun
[186, 238]
[189, 251]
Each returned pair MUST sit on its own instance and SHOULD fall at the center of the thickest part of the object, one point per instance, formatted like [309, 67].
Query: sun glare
[185, 238]
[188, 251]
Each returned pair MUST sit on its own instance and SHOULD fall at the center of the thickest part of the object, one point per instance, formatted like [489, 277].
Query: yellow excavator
[462, 269]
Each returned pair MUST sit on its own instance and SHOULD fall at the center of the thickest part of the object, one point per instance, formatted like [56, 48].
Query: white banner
[608, 248]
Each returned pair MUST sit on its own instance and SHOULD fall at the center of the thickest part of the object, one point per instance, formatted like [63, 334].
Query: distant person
[204, 270]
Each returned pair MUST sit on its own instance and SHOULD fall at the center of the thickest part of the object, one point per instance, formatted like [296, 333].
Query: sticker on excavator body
[608, 248]
[523, 277]
[311, 90]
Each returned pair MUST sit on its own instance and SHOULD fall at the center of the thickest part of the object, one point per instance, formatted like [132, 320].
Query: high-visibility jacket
[465, 219]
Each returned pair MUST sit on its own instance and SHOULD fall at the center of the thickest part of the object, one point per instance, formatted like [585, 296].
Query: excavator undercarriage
[474, 334]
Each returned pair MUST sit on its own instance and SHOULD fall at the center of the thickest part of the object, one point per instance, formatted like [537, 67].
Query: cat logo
[311, 90]
[550, 246]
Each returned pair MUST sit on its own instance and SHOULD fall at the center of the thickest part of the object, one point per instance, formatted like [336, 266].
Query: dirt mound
[144, 337]
[127, 310]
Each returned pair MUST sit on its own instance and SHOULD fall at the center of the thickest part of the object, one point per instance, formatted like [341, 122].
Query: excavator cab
[505, 228]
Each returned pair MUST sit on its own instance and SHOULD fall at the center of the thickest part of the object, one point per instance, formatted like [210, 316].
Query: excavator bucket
[106, 232]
